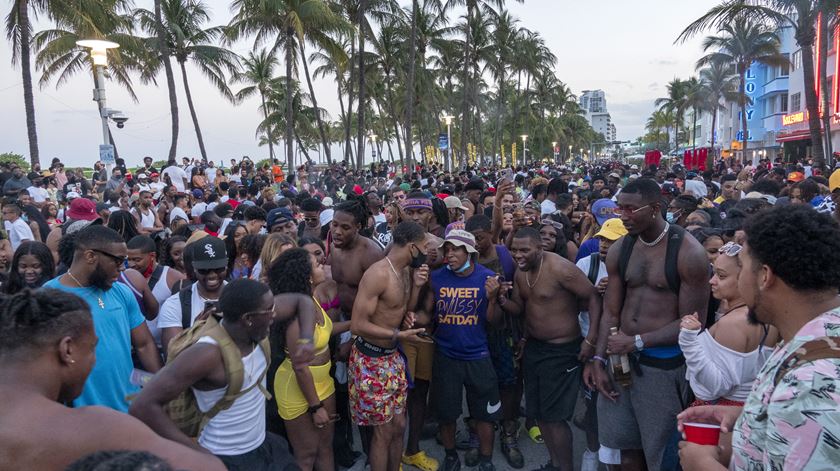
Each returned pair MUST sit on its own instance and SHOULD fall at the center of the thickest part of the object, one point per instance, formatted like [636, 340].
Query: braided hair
[357, 207]
[35, 319]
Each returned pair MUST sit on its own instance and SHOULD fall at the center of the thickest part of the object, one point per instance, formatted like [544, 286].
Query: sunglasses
[119, 260]
[207, 271]
[731, 249]
[620, 210]
[549, 222]
[268, 312]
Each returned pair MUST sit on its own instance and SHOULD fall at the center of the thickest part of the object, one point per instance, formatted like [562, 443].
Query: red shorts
[377, 385]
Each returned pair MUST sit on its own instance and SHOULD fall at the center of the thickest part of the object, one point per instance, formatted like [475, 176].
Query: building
[594, 105]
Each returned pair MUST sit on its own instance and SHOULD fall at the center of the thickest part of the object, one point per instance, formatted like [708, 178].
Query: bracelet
[303, 341]
[601, 359]
[314, 409]
[588, 342]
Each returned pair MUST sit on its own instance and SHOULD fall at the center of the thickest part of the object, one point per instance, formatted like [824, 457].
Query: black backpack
[156, 274]
[594, 265]
[675, 237]
[185, 296]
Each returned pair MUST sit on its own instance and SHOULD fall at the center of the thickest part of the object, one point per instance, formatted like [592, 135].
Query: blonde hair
[275, 245]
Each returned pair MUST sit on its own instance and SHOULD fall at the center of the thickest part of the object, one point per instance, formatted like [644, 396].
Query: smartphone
[426, 336]
[506, 174]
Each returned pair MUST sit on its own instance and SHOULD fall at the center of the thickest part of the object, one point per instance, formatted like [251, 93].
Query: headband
[417, 203]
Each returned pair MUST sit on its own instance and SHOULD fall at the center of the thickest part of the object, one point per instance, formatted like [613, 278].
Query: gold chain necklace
[406, 287]
[539, 272]
[98, 298]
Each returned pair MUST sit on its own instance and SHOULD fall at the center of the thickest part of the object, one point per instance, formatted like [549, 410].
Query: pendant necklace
[401, 278]
[98, 298]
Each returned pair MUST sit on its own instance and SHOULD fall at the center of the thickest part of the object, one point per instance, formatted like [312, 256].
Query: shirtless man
[351, 254]
[639, 420]
[378, 383]
[547, 289]
[417, 207]
[47, 350]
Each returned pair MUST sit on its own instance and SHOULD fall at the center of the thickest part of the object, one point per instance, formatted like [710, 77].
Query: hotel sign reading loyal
[794, 118]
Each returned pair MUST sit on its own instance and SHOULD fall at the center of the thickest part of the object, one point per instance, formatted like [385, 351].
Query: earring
[72, 361]
[250, 324]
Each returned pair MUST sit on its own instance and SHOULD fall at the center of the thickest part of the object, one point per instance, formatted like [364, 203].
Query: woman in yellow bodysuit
[305, 393]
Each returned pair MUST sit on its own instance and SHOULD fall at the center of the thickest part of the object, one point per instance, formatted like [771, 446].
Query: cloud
[664, 62]
[653, 86]
[629, 117]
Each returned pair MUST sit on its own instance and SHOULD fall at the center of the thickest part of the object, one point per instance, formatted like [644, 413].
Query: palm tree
[675, 102]
[183, 22]
[741, 43]
[289, 23]
[660, 119]
[720, 83]
[257, 75]
[162, 46]
[19, 32]
[802, 16]
[697, 101]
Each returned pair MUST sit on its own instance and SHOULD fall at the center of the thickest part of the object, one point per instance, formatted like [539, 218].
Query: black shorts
[449, 379]
[552, 375]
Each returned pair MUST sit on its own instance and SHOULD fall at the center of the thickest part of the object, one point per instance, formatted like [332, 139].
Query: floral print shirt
[795, 425]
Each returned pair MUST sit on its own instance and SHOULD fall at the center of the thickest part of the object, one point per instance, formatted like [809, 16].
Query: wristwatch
[639, 344]
[314, 409]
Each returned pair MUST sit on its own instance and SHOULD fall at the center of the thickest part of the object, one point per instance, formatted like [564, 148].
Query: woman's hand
[691, 322]
[321, 418]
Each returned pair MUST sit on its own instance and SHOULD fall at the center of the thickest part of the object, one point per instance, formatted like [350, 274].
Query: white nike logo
[492, 409]
[572, 369]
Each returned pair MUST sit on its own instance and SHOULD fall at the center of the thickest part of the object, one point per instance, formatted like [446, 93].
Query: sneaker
[510, 448]
[535, 434]
[421, 461]
[589, 461]
[452, 463]
[471, 456]
[486, 466]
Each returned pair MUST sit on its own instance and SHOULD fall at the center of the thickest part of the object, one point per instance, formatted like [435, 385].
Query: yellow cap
[834, 180]
[613, 229]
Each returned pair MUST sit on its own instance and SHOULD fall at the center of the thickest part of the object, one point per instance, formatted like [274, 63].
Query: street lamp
[581, 153]
[524, 149]
[570, 154]
[447, 165]
[554, 151]
[99, 55]
[374, 149]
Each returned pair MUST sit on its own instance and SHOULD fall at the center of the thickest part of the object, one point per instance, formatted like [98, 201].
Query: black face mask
[418, 260]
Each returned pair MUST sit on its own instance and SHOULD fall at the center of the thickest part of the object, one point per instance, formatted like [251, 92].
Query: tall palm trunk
[694, 130]
[268, 130]
[498, 127]
[351, 84]
[811, 100]
[28, 97]
[360, 116]
[465, 105]
[192, 111]
[409, 92]
[714, 130]
[742, 100]
[315, 104]
[290, 143]
[164, 51]
[393, 112]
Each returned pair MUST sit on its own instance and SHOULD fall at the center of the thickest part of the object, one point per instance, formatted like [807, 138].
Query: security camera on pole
[99, 55]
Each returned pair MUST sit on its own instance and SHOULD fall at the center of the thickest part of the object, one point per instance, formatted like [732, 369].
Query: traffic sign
[106, 154]
[443, 141]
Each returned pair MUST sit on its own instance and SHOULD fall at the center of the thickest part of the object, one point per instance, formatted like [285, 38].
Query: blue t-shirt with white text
[461, 313]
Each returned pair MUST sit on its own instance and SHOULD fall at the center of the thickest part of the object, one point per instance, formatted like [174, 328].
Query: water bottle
[620, 365]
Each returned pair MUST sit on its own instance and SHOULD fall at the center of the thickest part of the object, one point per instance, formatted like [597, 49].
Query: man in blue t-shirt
[99, 257]
[460, 303]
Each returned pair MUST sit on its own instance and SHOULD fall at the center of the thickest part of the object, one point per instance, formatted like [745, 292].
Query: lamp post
[581, 153]
[99, 55]
[524, 149]
[570, 154]
[447, 165]
[554, 151]
[374, 149]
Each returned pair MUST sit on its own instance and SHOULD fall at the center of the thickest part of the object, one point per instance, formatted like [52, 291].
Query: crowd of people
[203, 317]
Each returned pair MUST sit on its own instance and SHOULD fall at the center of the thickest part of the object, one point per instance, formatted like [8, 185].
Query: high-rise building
[594, 105]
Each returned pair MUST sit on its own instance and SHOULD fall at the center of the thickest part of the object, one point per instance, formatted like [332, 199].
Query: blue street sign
[106, 154]
[443, 141]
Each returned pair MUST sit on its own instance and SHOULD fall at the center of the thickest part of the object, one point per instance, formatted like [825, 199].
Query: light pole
[570, 155]
[99, 55]
[447, 165]
[554, 151]
[374, 149]
[581, 153]
[524, 149]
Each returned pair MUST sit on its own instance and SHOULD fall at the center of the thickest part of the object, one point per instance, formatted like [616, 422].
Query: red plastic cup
[702, 434]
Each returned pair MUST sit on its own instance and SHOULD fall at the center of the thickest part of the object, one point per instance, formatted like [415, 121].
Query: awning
[793, 136]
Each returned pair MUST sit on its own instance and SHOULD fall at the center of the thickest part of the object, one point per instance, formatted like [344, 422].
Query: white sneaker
[590, 461]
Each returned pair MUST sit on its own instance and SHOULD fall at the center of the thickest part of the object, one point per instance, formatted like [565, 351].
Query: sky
[625, 48]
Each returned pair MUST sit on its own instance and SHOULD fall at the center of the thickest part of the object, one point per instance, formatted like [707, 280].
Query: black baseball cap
[208, 253]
